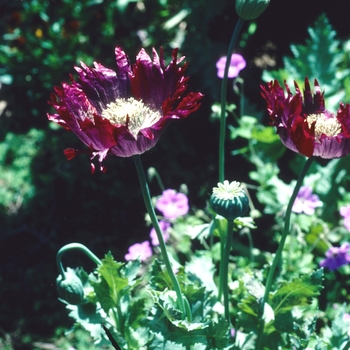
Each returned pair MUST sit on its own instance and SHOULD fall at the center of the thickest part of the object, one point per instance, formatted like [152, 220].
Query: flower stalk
[72, 246]
[233, 42]
[224, 275]
[278, 255]
[148, 202]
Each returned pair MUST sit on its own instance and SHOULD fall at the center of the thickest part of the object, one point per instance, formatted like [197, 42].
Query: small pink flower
[236, 65]
[306, 202]
[140, 251]
[164, 226]
[345, 213]
[172, 204]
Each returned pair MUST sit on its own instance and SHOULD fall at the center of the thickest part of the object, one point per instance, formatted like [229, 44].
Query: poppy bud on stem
[251, 9]
[69, 285]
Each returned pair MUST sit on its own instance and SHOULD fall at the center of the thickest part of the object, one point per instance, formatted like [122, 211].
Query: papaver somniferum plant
[197, 282]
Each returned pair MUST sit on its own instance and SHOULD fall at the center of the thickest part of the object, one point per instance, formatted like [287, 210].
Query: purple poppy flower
[345, 213]
[236, 65]
[336, 257]
[172, 204]
[123, 112]
[140, 251]
[303, 123]
[164, 226]
[306, 201]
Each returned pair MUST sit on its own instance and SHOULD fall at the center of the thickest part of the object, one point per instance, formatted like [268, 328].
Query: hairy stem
[226, 259]
[149, 206]
[223, 100]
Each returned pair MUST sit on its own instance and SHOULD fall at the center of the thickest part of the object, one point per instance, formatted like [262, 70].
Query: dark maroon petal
[319, 105]
[100, 133]
[152, 81]
[127, 146]
[282, 109]
[332, 147]
[308, 100]
[73, 107]
[102, 85]
[123, 65]
[56, 118]
[147, 81]
[343, 118]
[303, 136]
[185, 106]
[313, 104]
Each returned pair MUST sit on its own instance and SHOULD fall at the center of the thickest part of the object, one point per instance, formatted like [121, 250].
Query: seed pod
[229, 200]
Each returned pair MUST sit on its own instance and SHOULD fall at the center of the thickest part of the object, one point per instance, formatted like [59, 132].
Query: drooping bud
[229, 200]
[251, 9]
[70, 288]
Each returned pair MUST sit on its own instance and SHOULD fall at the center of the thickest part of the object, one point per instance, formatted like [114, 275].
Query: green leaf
[91, 317]
[218, 334]
[160, 279]
[111, 283]
[201, 267]
[298, 292]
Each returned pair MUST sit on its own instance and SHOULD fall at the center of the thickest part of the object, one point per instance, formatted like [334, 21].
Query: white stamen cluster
[132, 113]
[227, 190]
[324, 125]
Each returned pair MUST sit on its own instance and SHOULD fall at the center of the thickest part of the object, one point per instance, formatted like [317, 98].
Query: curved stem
[72, 246]
[278, 254]
[223, 100]
[226, 259]
[148, 202]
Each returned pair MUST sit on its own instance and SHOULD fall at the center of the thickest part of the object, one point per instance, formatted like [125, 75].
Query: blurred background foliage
[46, 201]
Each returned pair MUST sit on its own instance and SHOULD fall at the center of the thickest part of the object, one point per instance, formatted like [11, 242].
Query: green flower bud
[251, 9]
[70, 289]
[229, 200]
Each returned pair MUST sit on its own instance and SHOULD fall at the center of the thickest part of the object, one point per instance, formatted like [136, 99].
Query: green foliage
[16, 155]
[298, 292]
[281, 313]
[322, 58]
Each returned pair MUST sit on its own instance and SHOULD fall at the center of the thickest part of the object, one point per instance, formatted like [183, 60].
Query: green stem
[223, 100]
[148, 202]
[278, 254]
[72, 246]
[152, 172]
[221, 267]
[226, 259]
[347, 346]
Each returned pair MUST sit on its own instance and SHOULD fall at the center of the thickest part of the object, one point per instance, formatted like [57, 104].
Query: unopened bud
[70, 289]
[251, 9]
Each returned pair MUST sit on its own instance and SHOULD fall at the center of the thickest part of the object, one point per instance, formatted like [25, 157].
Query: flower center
[324, 125]
[131, 113]
[227, 190]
